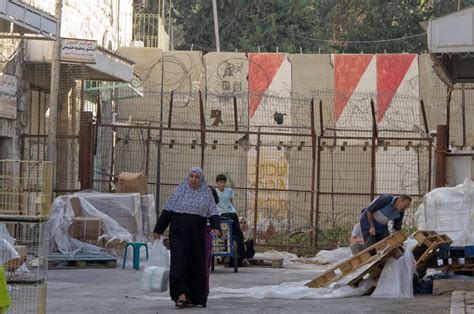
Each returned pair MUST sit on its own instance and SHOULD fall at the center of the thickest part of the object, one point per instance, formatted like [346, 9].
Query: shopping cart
[225, 246]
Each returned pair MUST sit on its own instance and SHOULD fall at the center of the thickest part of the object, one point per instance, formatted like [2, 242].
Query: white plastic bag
[157, 269]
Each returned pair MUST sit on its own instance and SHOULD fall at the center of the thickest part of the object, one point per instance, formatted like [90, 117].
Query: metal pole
[160, 141]
[430, 161]
[425, 120]
[441, 151]
[170, 113]
[203, 129]
[313, 171]
[448, 115]
[318, 188]
[257, 178]
[373, 154]
[463, 108]
[169, 25]
[216, 26]
[321, 122]
[236, 119]
[147, 148]
[54, 93]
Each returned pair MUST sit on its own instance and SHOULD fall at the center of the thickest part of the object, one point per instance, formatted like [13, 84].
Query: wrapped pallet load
[450, 211]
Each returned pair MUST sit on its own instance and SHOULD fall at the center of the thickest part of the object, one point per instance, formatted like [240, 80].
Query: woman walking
[186, 212]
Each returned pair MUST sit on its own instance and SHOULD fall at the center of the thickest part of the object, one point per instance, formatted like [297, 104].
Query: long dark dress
[188, 272]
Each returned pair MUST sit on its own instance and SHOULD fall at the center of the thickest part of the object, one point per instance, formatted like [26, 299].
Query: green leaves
[371, 26]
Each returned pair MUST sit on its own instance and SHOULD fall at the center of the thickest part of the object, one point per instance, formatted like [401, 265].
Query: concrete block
[441, 286]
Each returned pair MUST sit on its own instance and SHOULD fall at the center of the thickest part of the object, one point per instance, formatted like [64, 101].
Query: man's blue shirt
[383, 210]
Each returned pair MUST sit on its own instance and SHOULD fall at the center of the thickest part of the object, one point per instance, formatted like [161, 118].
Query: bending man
[374, 219]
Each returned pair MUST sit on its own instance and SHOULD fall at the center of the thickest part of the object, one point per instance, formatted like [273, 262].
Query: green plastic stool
[136, 253]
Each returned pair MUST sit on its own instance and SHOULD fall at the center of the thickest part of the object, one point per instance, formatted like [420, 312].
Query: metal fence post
[203, 129]
[373, 155]
[257, 178]
[313, 170]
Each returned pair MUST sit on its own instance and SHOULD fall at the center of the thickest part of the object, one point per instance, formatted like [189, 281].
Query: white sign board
[78, 50]
[8, 88]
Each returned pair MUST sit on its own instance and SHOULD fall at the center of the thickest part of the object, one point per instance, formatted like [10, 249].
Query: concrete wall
[345, 167]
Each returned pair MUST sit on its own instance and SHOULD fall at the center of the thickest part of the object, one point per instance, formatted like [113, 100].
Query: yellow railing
[26, 187]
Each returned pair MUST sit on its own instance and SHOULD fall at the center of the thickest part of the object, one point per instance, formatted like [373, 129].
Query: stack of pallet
[370, 261]
[456, 259]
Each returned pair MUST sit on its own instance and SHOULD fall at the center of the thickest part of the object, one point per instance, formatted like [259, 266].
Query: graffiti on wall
[273, 176]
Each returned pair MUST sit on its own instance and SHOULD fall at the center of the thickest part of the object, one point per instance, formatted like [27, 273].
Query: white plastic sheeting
[124, 208]
[62, 216]
[292, 290]
[396, 279]
[449, 210]
[7, 246]
[292, 261]
[7, 251]
[333, 256]
[286, 290]
[4, 234]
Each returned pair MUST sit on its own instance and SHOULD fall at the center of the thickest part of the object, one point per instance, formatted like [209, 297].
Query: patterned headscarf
[187, 200]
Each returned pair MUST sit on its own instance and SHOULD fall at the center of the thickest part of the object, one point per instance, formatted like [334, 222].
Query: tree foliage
[312, 25]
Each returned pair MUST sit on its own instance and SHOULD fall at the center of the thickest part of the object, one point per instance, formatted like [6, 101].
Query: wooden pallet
[376, 268]
[274, 262]
[428, 243]
[381, 250]
[425, 251]
[81, 260]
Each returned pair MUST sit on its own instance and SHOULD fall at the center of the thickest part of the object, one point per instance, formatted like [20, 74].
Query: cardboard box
[131, 182]
[76, 206]
[87, 229]
[115, 246]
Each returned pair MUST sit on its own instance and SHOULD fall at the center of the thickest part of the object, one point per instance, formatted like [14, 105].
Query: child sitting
[226, 209]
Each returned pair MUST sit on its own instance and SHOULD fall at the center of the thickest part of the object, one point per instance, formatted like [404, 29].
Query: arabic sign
[8, 85]
[78, 50]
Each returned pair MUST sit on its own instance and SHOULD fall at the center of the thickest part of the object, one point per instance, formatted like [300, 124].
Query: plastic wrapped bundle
[62, 216]
[449, 210]
[124, 208]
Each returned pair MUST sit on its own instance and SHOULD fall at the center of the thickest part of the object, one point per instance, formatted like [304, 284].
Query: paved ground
[462, 302]
[118, 291]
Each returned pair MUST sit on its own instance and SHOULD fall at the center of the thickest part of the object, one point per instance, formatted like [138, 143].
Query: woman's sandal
[181, 304]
